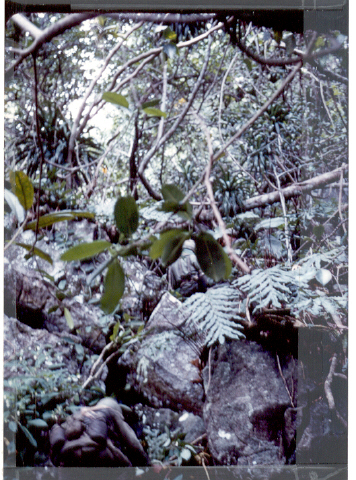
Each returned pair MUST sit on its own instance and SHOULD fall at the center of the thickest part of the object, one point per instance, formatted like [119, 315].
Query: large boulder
[244, 407]
[156, 370]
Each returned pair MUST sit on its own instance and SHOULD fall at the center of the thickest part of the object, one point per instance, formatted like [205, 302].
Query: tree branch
[46, 35]
[294, 190]
[166, 18]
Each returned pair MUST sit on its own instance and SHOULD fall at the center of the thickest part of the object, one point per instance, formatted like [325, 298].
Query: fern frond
[267, 287]
[215, 313]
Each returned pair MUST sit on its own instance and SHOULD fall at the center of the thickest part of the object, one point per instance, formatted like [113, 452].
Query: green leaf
[150, 103]
[15, 205]
[169, 34]
[38, 423]
[55, 217]
[12, 426]
[115, 331]
[85, 250]
[114, 286]
[248, 64]
[173, 196]
[154, 112]
[186, 454]
[28, 435]
[172, 192]
[69, 318]
[36, 251]
[126, 215]
[22, 188]
[270, 223]
[170, 50]
[115, 98]
[211, 257]
[169, 246]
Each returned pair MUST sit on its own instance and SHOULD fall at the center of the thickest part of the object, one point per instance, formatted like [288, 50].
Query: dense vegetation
[164, 129]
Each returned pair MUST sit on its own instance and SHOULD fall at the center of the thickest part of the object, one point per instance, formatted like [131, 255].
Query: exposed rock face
[245, 404]
[156, 370]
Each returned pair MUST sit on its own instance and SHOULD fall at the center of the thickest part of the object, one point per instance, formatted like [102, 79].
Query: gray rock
[245, 404]
[155, 369]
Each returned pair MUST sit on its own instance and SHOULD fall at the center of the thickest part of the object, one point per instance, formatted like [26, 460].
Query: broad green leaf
[114, 286]
[248, 64]
[212, 257]
[101, 21]
[270, 223]
[169, 246]
[28, 435]
[22, 188]
[115, 98]
[169, 34]
[55, 217]
[15, 205]
[320, 42]
[150, 103]
[126, 215]
[37, 423]
[12, 426]
[36, 251]
[154, 112]
[115, 331]
[69, 318]
[173, 196]
[85, 250]
[186, 454]
[170, 50]
[172, 192]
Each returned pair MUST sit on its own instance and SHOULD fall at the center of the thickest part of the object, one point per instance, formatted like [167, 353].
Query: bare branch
[294, 190]
[26, 25]
[58, 28]
[275, 62]
[166, 18]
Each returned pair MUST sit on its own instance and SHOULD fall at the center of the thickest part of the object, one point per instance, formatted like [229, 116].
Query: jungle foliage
[221, 132]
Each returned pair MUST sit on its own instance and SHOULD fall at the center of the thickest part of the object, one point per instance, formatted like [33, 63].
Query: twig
[209, 363]
[19, 230]
[328, 392]
[325, 105]
[197, 440]
[284, 381]
[340, 200]
[222, 92]
[286, 226]
[95, 374]
[205, 469]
